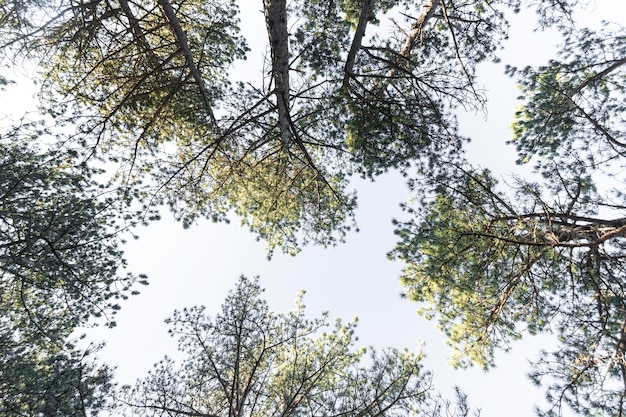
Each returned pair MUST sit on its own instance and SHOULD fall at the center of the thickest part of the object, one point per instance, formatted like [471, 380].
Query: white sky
[200, 265]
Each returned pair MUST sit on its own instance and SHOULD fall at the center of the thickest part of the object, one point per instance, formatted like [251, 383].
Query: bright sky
[200, 265]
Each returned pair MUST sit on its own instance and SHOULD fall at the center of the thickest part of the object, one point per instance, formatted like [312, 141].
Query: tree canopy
[250, 361]
[492, 262]
[146, 83]
[60, 260]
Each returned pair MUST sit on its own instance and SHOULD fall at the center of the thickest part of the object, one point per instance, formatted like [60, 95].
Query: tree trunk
[276, 21]
[181, 38]
[366, 14]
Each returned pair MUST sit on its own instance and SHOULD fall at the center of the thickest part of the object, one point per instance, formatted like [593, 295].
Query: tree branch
[418, 27]
[181, 37]
[600, 75]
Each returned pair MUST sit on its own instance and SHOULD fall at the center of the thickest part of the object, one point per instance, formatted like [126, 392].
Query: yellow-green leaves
[471, 262]
[148, 86]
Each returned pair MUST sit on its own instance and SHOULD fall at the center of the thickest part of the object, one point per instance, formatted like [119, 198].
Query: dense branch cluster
[60, 267]
[546, 255]
[147, 84]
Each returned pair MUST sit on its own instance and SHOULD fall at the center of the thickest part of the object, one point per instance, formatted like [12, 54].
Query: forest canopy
[347, 88]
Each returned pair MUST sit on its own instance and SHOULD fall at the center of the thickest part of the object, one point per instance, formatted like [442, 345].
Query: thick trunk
[276, 21]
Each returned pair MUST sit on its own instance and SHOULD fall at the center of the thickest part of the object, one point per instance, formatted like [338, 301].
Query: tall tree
[548, 256]
[60, 267]
[249, 361]
[147, 84]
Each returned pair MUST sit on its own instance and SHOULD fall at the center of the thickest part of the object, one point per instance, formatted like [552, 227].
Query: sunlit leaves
[147, 85]
[464, 269]
[489, 268]
[491, 265]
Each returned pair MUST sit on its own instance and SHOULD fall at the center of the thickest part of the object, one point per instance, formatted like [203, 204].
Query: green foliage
[60, 257]
[491, 264]
[352, 9]
[319, 41]
[147, 86]
[573, 108]
[4, 82]
[400, 106]
[388, 134]
[60, 267]
[50, 380]
[466, 270]
[282, 193]
[491, 267]
[249, 361]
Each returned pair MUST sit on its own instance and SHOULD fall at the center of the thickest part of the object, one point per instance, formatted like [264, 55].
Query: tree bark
[276, 21]
[621, 354]
[416, 33]
[418, 27]
[594, 232]
[135, 29]
[366, 14]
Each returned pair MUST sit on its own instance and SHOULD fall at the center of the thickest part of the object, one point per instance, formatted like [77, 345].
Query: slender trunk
[138, 33]
[276, 21]
[418, 27]
[181, 38]
[417, 30]
[366, 14]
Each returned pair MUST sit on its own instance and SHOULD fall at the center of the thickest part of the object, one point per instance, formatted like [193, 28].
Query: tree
[491, 264]
[60, 260]
[249, 361]
[147, 85]
[60, 267]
